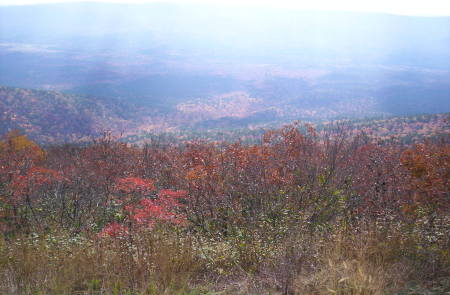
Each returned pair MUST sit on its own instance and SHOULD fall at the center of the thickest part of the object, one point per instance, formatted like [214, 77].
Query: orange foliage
[429, 174]
[329, 172]
[134, 185]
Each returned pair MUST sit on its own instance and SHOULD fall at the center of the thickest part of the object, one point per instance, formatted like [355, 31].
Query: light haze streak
[404, 7]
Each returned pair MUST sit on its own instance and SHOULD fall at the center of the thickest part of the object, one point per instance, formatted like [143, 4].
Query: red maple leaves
[35, 179]
[163, 207]
[130, 185]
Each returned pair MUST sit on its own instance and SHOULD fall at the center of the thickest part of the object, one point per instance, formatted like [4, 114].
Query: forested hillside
[50, 116]
[55, 117]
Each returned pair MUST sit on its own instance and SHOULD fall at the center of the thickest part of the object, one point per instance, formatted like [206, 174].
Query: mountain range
[73, 70]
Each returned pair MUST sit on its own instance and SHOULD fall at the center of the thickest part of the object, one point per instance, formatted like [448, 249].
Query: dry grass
[156, 263]
[167, 262]
[357, 265]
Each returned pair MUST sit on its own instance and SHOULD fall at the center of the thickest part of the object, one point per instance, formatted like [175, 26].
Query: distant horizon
[432, 8]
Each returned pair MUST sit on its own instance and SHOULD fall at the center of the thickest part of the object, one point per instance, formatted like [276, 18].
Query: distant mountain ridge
[51, 116]
[139, 69]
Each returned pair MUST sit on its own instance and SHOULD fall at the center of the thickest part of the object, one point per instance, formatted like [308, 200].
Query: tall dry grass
[156, 263]
[164, 261]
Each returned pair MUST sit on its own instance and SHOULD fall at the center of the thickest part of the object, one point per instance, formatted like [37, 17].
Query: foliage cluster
[303, 212]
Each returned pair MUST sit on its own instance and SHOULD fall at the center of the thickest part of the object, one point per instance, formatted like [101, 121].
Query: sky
[404, 7]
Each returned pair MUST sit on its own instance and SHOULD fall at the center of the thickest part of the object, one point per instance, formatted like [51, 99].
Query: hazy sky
[408, 7]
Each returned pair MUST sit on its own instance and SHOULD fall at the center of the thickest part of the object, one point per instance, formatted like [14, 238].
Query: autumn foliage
[250, 199]
[428, 167]
[212, 185]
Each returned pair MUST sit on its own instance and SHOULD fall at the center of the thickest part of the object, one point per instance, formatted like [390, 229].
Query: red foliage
[429, 173]
[329, 172]
[35, 179]
[173, 194]
[162, 209]
[114, 230]
[134, 185]
[147, 212]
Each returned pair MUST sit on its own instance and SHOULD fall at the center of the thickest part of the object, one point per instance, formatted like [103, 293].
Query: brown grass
[167, 262]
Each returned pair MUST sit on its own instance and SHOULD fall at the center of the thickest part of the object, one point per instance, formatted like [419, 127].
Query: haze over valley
[160, 66]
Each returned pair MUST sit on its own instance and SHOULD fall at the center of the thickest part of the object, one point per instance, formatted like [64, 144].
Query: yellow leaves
[17, 142]
[196, 173]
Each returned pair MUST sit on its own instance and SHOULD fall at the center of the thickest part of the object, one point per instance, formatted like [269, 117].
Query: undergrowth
[301, 213]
